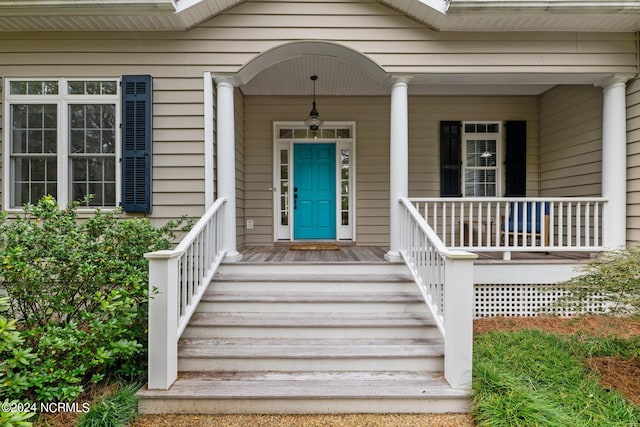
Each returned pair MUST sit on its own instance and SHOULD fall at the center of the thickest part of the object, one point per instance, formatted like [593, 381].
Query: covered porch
[390, 144]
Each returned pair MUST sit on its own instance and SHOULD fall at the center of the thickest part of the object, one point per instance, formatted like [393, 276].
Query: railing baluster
[596, 224]
[569, 225]
[578, 225]
[587, 225]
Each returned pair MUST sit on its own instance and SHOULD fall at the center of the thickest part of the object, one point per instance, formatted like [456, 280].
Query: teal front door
[314, 191]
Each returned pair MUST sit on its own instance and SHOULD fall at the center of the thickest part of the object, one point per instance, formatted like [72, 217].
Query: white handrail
[516, 223]
[177, 279]
[445, 280]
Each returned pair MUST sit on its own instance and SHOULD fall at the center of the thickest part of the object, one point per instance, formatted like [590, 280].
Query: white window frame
[499, 150]
[63, 100]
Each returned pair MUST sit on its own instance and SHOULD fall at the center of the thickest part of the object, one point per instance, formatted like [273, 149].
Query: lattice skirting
[519, 300]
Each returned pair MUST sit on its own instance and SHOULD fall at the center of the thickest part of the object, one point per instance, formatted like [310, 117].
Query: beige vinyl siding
[401, 44]
[633, 162]
[571, 141]
[371, 115]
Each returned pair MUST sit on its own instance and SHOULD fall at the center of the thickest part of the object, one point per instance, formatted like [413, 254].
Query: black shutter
[450, 159]
[516, 159]
[136, 143]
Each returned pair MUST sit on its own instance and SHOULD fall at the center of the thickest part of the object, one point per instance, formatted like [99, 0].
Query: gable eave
[444, 15]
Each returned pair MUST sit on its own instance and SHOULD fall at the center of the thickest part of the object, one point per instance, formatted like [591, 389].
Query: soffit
[337, 77]
[462, 15]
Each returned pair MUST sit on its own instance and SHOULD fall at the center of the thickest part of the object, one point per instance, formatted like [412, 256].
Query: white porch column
[226, 163]
[614, 162]
[399, 165]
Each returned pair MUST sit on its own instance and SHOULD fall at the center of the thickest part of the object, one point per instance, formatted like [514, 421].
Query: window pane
[108, 141]
[109, 198]
[50, 120]
[35, 116]
[109, 88]
[284, 157]
[76, 88]
[95, 170]
[345, 203]
[94, 176]
[33, 178]
[93, 88]
[35, 141]
[19, 143]
[345, 218]
[299, 133]
[286, 133]
[110, 169]
[93, 141]
[328, 133]
[50, 87]
[77, 141]
[18, 88]
[344, 133]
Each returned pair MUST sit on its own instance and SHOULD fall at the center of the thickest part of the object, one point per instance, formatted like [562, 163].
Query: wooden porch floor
[375, 255]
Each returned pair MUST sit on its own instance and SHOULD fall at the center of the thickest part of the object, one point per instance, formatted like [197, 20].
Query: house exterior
[171, 108]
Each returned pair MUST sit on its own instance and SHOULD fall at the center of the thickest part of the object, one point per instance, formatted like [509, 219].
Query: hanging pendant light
[313, 121]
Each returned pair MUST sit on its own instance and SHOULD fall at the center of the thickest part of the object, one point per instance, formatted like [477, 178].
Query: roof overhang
[444, 15]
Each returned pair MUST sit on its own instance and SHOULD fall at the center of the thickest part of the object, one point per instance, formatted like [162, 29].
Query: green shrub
[78, 289]
[610, 282]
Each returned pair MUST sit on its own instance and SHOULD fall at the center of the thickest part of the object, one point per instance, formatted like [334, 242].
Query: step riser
[309, 332]
[423, 363]
[304, 406]
[311, 307]
[296, 286]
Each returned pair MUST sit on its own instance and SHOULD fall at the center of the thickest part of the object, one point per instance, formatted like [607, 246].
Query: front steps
[309, 338]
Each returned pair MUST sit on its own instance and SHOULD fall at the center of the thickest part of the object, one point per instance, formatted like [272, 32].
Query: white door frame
[285, 134]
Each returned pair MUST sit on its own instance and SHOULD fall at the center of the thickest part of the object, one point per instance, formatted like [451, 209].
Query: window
[480, 144]
[471, 158]
[62, 140]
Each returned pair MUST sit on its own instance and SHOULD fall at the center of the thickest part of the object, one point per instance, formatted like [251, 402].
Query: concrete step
[311, 325]
[305, 354]
[306, 392]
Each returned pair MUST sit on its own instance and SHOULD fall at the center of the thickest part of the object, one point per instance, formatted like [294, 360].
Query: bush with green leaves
[78, 289]
[610, 283]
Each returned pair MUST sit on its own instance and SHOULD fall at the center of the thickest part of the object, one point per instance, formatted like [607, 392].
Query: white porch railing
[445, 279]
[516, 224]
[180, 277]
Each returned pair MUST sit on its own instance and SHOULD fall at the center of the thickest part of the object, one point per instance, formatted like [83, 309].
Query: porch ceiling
[462, 15]
[337, 77]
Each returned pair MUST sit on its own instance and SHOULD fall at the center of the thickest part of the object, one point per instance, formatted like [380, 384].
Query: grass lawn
[528, 375]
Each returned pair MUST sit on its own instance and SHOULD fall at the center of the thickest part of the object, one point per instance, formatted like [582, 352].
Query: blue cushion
[529, 226]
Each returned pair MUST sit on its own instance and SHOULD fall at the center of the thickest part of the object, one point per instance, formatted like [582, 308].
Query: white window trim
[63, 100]
[499, 151]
